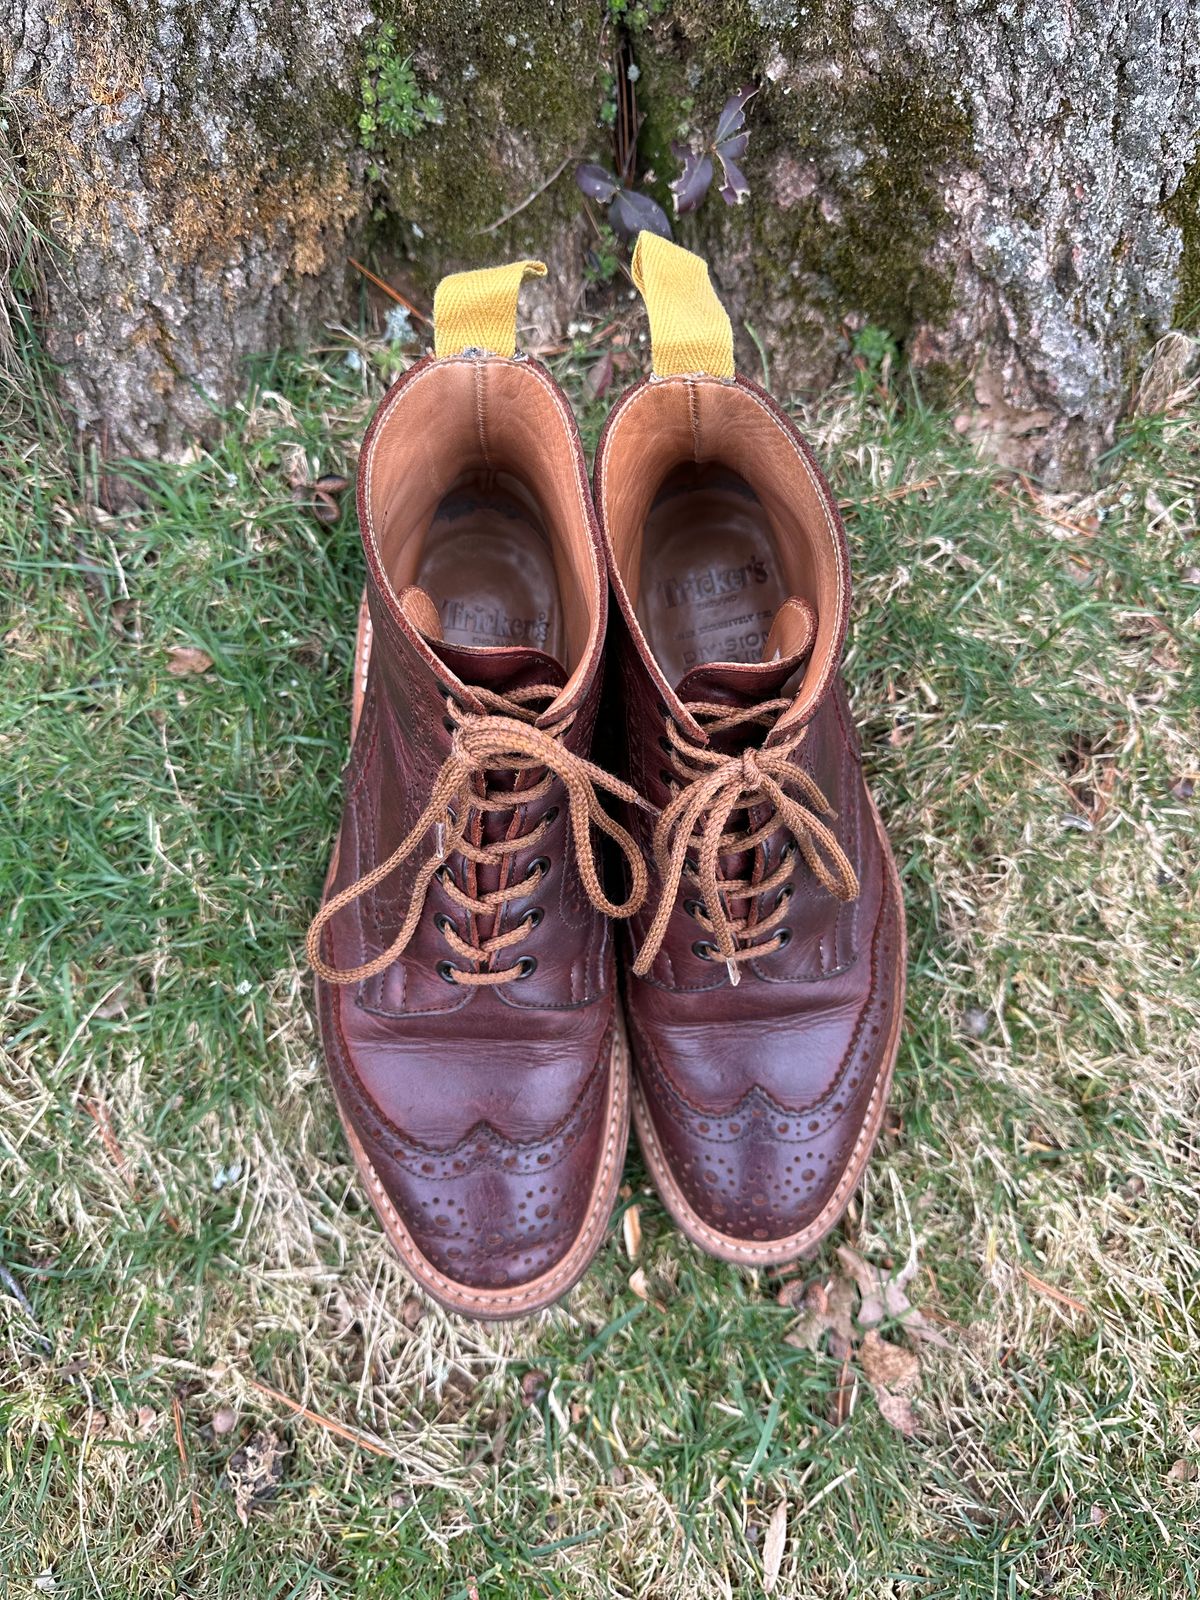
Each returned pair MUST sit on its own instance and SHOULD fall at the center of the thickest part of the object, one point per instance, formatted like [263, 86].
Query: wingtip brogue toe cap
[759, 1182]
[492, 1214]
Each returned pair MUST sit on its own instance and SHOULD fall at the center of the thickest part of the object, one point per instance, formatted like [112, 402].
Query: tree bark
[1010, 191]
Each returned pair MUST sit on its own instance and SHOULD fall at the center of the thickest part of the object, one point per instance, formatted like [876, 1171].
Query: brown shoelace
[500, 739]
[713, 788]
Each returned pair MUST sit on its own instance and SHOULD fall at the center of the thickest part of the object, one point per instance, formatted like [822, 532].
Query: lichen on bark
[985, 182]
[197, 188]
[1008, 189]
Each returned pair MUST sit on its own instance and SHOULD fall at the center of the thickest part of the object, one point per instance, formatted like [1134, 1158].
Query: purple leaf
[734, 149]
[632, 213]
[733, 113]
[735, 188]
[691, 185]
[595, 182]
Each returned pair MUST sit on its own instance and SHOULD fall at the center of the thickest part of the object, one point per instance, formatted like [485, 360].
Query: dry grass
[181, 1233]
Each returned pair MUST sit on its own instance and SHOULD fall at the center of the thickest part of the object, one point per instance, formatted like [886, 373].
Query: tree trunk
[1010, 192]
[1008, 189]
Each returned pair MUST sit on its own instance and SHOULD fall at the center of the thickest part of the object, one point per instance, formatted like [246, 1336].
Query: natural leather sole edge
[781, 1252]
[497, 1305]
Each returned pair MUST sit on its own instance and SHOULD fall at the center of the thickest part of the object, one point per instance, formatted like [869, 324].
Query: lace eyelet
[526, 967]
[694, 908]
[666, 777]
[445, 971]
[538, 867]
[551, 816]
[785, 894]
[664, 743]
[449, 724]
[787, 852]
[703, 950]
[445, 876]
[444, 924]
[784, 935]
[532, 917]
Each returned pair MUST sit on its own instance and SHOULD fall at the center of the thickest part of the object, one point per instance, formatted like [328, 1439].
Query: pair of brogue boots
[464, 950]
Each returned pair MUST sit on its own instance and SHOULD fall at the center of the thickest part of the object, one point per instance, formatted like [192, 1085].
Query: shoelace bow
[501, 738]
[713, 788]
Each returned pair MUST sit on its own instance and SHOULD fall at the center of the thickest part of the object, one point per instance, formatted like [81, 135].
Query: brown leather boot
[766, 994]
[465, 976]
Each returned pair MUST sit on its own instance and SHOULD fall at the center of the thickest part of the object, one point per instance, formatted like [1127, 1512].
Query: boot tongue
[736, 683]
[500, 668]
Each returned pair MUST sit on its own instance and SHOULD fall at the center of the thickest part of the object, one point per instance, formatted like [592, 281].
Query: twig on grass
[1052, 1293]
[330, 1424]
[177, 1414]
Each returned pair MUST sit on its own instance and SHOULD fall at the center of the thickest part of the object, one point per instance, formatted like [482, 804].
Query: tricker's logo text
[490, 623]
[710, 585]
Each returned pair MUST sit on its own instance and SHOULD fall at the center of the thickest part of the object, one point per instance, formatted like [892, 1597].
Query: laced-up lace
[500, 739]
[713, 788]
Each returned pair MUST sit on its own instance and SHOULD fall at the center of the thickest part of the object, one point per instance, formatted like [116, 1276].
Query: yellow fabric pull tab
[478, 310]
[689, 327]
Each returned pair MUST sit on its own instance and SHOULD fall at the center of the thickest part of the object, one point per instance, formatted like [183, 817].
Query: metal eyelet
[539, 866]
[526, 967]
[664, 743]
[666, 777]
[532, 917]
[787, 852]
[694, 908]
[445, 971]
[449, 724]
[785, 894]
[551, 816]
[444, 924]
[445, 876]
[703, 950]
[784, 935]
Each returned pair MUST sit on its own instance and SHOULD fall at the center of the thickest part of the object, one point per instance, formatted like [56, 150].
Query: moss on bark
[1183, 209]
[519, 85]
[843, 167]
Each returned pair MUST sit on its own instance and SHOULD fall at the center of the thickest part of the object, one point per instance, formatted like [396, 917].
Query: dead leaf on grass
[885, 1298]
[255, 1473]
[894, 1374]
[889, 1366]
[827, 1309]
[183, 660]
[896, 1409]
[637, 1282]
[1181, 1471]
[773, 1546]
[534, 1387]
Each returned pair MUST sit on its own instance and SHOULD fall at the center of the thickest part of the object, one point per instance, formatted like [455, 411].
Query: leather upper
[482, 1111]
[761, 1095]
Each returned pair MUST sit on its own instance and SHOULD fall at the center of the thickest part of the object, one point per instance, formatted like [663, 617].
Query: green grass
[179, 1217]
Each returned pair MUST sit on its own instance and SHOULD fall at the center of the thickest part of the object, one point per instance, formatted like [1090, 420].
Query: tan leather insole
[710, 573]
[487, 565]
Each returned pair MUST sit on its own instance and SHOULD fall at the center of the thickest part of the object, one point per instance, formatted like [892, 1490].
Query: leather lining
[667, 425]
[452, 505]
